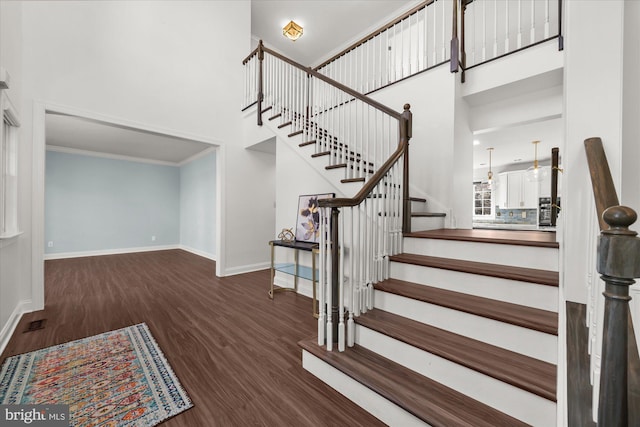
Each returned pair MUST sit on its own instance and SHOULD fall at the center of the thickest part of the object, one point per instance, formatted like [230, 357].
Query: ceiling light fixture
[490, 173]
[535, 173]
[292, 31]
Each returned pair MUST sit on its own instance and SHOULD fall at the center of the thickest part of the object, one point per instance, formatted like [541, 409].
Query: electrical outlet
[50, 244]
[524, 214]
[153, 238]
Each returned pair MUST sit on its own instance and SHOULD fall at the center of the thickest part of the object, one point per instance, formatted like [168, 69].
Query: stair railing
[618, 263]
[414, 42]
[370, 142]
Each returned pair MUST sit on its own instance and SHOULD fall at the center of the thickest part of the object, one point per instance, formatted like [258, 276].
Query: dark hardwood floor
[234, 350]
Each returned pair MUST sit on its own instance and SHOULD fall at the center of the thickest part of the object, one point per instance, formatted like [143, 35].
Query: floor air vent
[35, 325]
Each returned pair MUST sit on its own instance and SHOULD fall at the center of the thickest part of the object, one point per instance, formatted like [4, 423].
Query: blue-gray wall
[95, 204]
[198, 204]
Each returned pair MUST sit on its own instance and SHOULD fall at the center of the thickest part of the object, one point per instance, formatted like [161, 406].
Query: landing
[509, 237]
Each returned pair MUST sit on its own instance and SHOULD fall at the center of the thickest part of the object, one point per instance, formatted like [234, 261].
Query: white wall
[593, 96]
[15, 286]
[432, 97]
[168, 66]
[630, 189]
[198, 205]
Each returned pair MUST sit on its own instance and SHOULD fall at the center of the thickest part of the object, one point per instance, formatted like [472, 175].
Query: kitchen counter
[502, 226]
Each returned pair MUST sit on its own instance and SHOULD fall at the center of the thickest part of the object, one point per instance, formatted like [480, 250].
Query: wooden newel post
[618, 264]
[260, 89]
[335, 273]
[405, 135]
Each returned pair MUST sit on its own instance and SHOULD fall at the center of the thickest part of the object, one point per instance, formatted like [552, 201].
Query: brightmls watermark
[34, 415]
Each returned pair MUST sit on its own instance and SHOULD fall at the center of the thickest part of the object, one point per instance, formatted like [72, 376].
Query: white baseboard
[9, 327]
[198, 252]
[63, 255]
[246, 268]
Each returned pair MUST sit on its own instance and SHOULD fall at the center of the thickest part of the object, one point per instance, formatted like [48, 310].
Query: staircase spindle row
[370, 142]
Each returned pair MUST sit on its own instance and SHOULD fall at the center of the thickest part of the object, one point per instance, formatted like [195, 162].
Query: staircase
[463, 333]
[437, 327]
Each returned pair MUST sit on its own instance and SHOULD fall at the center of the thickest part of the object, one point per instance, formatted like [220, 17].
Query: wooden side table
[296, 270]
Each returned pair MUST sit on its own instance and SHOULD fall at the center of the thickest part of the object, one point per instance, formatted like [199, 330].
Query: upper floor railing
[466, 33]
[618, 262]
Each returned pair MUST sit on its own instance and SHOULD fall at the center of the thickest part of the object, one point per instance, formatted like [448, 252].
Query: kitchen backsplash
[513, 216]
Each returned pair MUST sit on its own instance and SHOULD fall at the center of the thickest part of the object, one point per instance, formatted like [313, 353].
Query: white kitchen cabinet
[501, 190]
[516, 192]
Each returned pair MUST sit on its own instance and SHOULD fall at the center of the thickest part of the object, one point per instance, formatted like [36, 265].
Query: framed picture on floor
[308, 217]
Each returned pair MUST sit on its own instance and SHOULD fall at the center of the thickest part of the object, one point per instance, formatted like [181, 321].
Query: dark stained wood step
[532, 275]
[429, 214]
[545, 239]
[292, 134]
[280, 126]
[320, 154]
[275, 116]
[526, 317]
[432, 402]
[521, 371]
[337, 166]
[418, 199]
[347, 180]
[267, 109]
[304, 144]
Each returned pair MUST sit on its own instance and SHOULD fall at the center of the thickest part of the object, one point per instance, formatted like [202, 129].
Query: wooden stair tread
[428, 214]
[521, 371]
[267, 109]
[322, 153]
[337, 166]
[304, 144]
[275, 116]
[346, 180]
[510, 237]
[424, 398]
[280, 126]
[292, 134]
[532, 275]
[418, 199]
[526, 317]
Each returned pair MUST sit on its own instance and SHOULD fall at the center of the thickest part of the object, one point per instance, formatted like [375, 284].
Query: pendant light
[535, 173]
[490, 173]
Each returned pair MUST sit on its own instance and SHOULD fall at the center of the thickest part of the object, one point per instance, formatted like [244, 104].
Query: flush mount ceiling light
[490, 173]
[535, 173]
[292, 31]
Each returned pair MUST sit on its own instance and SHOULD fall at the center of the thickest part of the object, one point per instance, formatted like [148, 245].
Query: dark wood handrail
[604, 192]
[368, 187]
[618, 264]
[253, 52]
[375, 104]
[376, 33]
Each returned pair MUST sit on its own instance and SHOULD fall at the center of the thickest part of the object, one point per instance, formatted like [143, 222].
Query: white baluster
[506, 26]
[532, 36]
[435, 32]
[444, 37]
[519, 38]
[322, 285]
[351, 327]
[495, 28]
[484, 30]
[546, 19]
[329, 291]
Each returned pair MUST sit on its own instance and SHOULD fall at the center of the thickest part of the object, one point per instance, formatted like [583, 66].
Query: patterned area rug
[119, 378]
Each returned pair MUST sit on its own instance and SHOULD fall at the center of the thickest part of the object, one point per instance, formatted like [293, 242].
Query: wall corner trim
[23, 306]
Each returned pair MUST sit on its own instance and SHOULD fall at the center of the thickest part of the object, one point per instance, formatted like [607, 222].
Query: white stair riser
[386, 411]
[492, 253]
[422, 223]
[536, 344]
[512, 291]
[518, 403]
